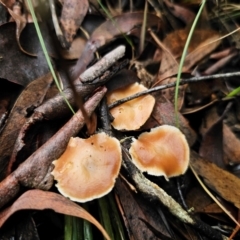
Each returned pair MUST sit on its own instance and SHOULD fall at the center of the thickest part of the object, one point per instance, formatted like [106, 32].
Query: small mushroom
[163, 151]
[133, 114]
[88, 167]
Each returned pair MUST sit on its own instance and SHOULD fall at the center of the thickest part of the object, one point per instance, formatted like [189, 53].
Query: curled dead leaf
[40, 200]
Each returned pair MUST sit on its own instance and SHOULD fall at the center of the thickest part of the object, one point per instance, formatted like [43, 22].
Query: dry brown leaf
[180, 12]
[40, 200]
[21, 22]
[231, 143]
[15, 65]
[174, 44]
[135, 211]
[75, 50]
[212, 144]
[31, 97]
[72, 16]
[107, 31]
[196, 198]
[164, 113]
[220, 181]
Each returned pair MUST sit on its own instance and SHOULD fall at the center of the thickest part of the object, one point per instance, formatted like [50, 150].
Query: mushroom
[133, 114]
[163, 151]
[88, 168]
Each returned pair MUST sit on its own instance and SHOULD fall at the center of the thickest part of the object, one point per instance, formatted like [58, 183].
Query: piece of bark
[35, 172]
[31, 97]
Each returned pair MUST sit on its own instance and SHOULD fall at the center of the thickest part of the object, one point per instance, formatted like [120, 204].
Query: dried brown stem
[183, 81]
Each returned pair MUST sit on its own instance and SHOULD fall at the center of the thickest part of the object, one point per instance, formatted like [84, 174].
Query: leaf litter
[211, 129]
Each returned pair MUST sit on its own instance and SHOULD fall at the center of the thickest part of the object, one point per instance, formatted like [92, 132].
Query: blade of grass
[87, 227]
[105, 217]
[117, 226]
[183, 59]
[46, 53]
[233, 92]
[73, 228]
[77, 233]
[68, 227]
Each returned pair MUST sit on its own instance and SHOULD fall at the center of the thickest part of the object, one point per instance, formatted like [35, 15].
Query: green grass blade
[234, 92]
[87, 226]
[183, 59]
[117, 226]
[46, 53]
[105, 218]
[68, 228]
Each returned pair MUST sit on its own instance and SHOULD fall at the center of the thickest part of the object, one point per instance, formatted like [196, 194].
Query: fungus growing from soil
[88, 168]
[133, 114]
[163, 151]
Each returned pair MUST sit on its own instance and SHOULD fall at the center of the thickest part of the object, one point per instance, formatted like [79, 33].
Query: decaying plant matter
[130, 140]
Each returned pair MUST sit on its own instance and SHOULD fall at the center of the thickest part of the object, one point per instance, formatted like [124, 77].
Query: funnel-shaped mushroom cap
[162, 152]
[88, 168]
[133, 114]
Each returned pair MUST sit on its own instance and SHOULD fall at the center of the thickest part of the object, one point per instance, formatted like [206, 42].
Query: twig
[35, 171]
[103, 64]
[152, 191]
[183, 81]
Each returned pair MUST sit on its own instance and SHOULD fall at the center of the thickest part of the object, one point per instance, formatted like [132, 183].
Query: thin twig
[183, 81]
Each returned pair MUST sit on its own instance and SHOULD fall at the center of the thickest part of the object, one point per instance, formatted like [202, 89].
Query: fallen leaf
[180, 12]
[20, 21]
[173, 47]
[31, 97]
[107, 31]
[40, 200]
[164, 113]
[16, 66]
[23, 226]
[72, 15]
[219, 180]
[135, 212]
[231, 143]
[212, 143]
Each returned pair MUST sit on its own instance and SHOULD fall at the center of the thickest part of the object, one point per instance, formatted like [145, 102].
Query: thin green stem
[183, 59]
[46, 53]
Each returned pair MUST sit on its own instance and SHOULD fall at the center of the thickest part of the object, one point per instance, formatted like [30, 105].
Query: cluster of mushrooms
[89, 167]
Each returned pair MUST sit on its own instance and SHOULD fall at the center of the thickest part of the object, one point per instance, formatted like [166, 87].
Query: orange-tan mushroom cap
[163, 151]
[133, 114]
[88, 168]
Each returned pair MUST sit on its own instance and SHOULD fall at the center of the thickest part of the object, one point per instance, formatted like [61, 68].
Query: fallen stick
[35, 172]
[152, 191]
